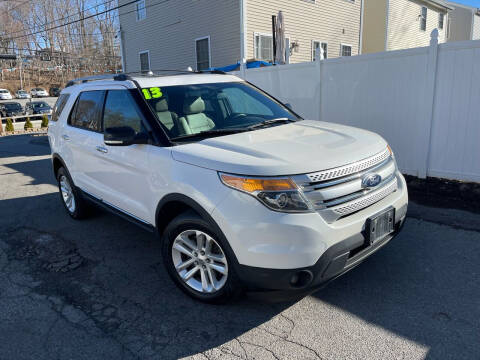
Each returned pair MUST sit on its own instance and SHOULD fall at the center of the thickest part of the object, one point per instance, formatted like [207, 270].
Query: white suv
[244, 194]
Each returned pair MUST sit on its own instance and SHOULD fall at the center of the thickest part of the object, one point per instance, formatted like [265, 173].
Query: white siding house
[176, 34]
[464, 23]
[402, 24]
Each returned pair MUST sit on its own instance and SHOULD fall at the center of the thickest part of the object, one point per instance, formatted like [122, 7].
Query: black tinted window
[59, 105]
[121, 110]
[87, 110]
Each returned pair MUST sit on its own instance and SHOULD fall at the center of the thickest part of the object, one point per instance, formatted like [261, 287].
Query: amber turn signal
[256, 184]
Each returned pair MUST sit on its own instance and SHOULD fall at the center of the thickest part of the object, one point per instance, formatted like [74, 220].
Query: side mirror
[123, 136]
[288, 105]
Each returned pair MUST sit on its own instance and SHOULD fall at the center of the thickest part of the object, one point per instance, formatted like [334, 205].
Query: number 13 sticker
[152, 93]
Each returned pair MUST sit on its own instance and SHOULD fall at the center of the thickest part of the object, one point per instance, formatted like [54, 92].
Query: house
[176, 34]
[401, 24]
[464, 23]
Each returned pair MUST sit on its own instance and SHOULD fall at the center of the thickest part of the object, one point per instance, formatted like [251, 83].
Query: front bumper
[270, 247]
[334, 262]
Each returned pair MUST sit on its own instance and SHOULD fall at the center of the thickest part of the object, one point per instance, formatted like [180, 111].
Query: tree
[28, 124]
[44, 121]
[9, 125]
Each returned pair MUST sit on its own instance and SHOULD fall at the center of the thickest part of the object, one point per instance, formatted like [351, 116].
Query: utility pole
[21, 64]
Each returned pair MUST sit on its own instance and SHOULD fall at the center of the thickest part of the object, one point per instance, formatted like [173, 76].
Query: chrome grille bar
[338, 192]
[349, 169]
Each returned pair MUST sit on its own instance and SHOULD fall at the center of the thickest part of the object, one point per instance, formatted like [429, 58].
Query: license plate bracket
[380, 225]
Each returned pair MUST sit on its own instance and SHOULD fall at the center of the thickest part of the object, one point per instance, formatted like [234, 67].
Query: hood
[295, 148]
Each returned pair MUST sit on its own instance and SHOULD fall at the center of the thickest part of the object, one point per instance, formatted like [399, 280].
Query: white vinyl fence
[425, 101]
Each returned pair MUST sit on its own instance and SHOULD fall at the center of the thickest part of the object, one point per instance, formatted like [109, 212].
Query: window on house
[441, 18]
[423, 19]
[141, 10]
[202, 47]
[316, 45]
[144, 61]
[345, 50]
[264, 47]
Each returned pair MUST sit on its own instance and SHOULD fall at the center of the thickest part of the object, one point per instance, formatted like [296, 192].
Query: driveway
[97, 289]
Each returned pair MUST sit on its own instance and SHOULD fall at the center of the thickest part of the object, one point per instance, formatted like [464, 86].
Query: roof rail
[117, 77]
[126, 76]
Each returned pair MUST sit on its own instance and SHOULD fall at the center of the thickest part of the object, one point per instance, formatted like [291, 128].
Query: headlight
[279, 194]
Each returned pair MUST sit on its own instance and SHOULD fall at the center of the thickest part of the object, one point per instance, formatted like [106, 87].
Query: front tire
[197, 260]
[70, 196]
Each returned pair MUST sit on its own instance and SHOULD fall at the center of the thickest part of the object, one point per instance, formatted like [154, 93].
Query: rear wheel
[70, 196]
[197, 260]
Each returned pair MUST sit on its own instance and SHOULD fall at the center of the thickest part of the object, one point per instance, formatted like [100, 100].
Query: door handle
[102, 149]
[66, 137]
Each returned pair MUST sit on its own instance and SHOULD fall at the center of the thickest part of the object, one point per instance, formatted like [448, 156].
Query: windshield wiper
[209, 133]
[270, 122]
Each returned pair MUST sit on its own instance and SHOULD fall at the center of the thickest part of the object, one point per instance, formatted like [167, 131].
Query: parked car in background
[5, 94]
[37, 107]
[8, 109]
[38, 92]
[22, 94]
[54, 91]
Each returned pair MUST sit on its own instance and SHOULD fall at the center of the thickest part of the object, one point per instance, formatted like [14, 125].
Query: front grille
[349, 169]
[338, 192]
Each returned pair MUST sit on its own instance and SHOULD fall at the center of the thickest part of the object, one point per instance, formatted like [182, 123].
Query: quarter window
[121, 110]
[59, 106]
[86, 114]
[423, 19]
[202, 48]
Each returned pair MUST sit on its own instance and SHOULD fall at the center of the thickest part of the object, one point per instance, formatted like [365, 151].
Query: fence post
[319, 65]
[243, 69]
[429, 100]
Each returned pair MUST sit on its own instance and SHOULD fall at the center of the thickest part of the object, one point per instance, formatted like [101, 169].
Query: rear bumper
[335, 261]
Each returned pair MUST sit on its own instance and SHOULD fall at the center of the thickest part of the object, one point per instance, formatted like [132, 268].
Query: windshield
[21, 92]
[3, 91]
[12, 106]
[216, 108]
[41, 105]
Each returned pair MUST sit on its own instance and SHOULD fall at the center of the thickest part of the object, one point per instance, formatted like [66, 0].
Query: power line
[59, 19]
[74, 21]
[88, 17]
[59, 51]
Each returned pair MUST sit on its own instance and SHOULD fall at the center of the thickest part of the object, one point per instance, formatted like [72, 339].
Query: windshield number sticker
[152, 93]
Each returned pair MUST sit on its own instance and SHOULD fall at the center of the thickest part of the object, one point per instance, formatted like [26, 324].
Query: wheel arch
[57, 163]
[174, 204]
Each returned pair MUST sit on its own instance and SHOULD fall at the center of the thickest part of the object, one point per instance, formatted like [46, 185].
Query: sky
[475, 3]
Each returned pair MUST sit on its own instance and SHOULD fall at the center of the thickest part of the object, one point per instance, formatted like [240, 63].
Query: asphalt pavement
[97, 289]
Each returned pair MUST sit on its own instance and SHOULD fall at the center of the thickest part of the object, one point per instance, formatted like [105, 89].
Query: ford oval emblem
[371, 180]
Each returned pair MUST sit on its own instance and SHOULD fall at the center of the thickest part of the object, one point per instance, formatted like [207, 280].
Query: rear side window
[121, 110]
[59, 106]
[86, 114]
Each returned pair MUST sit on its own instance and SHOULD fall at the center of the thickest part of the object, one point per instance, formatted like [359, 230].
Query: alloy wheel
[199, 261]
[67, 194]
